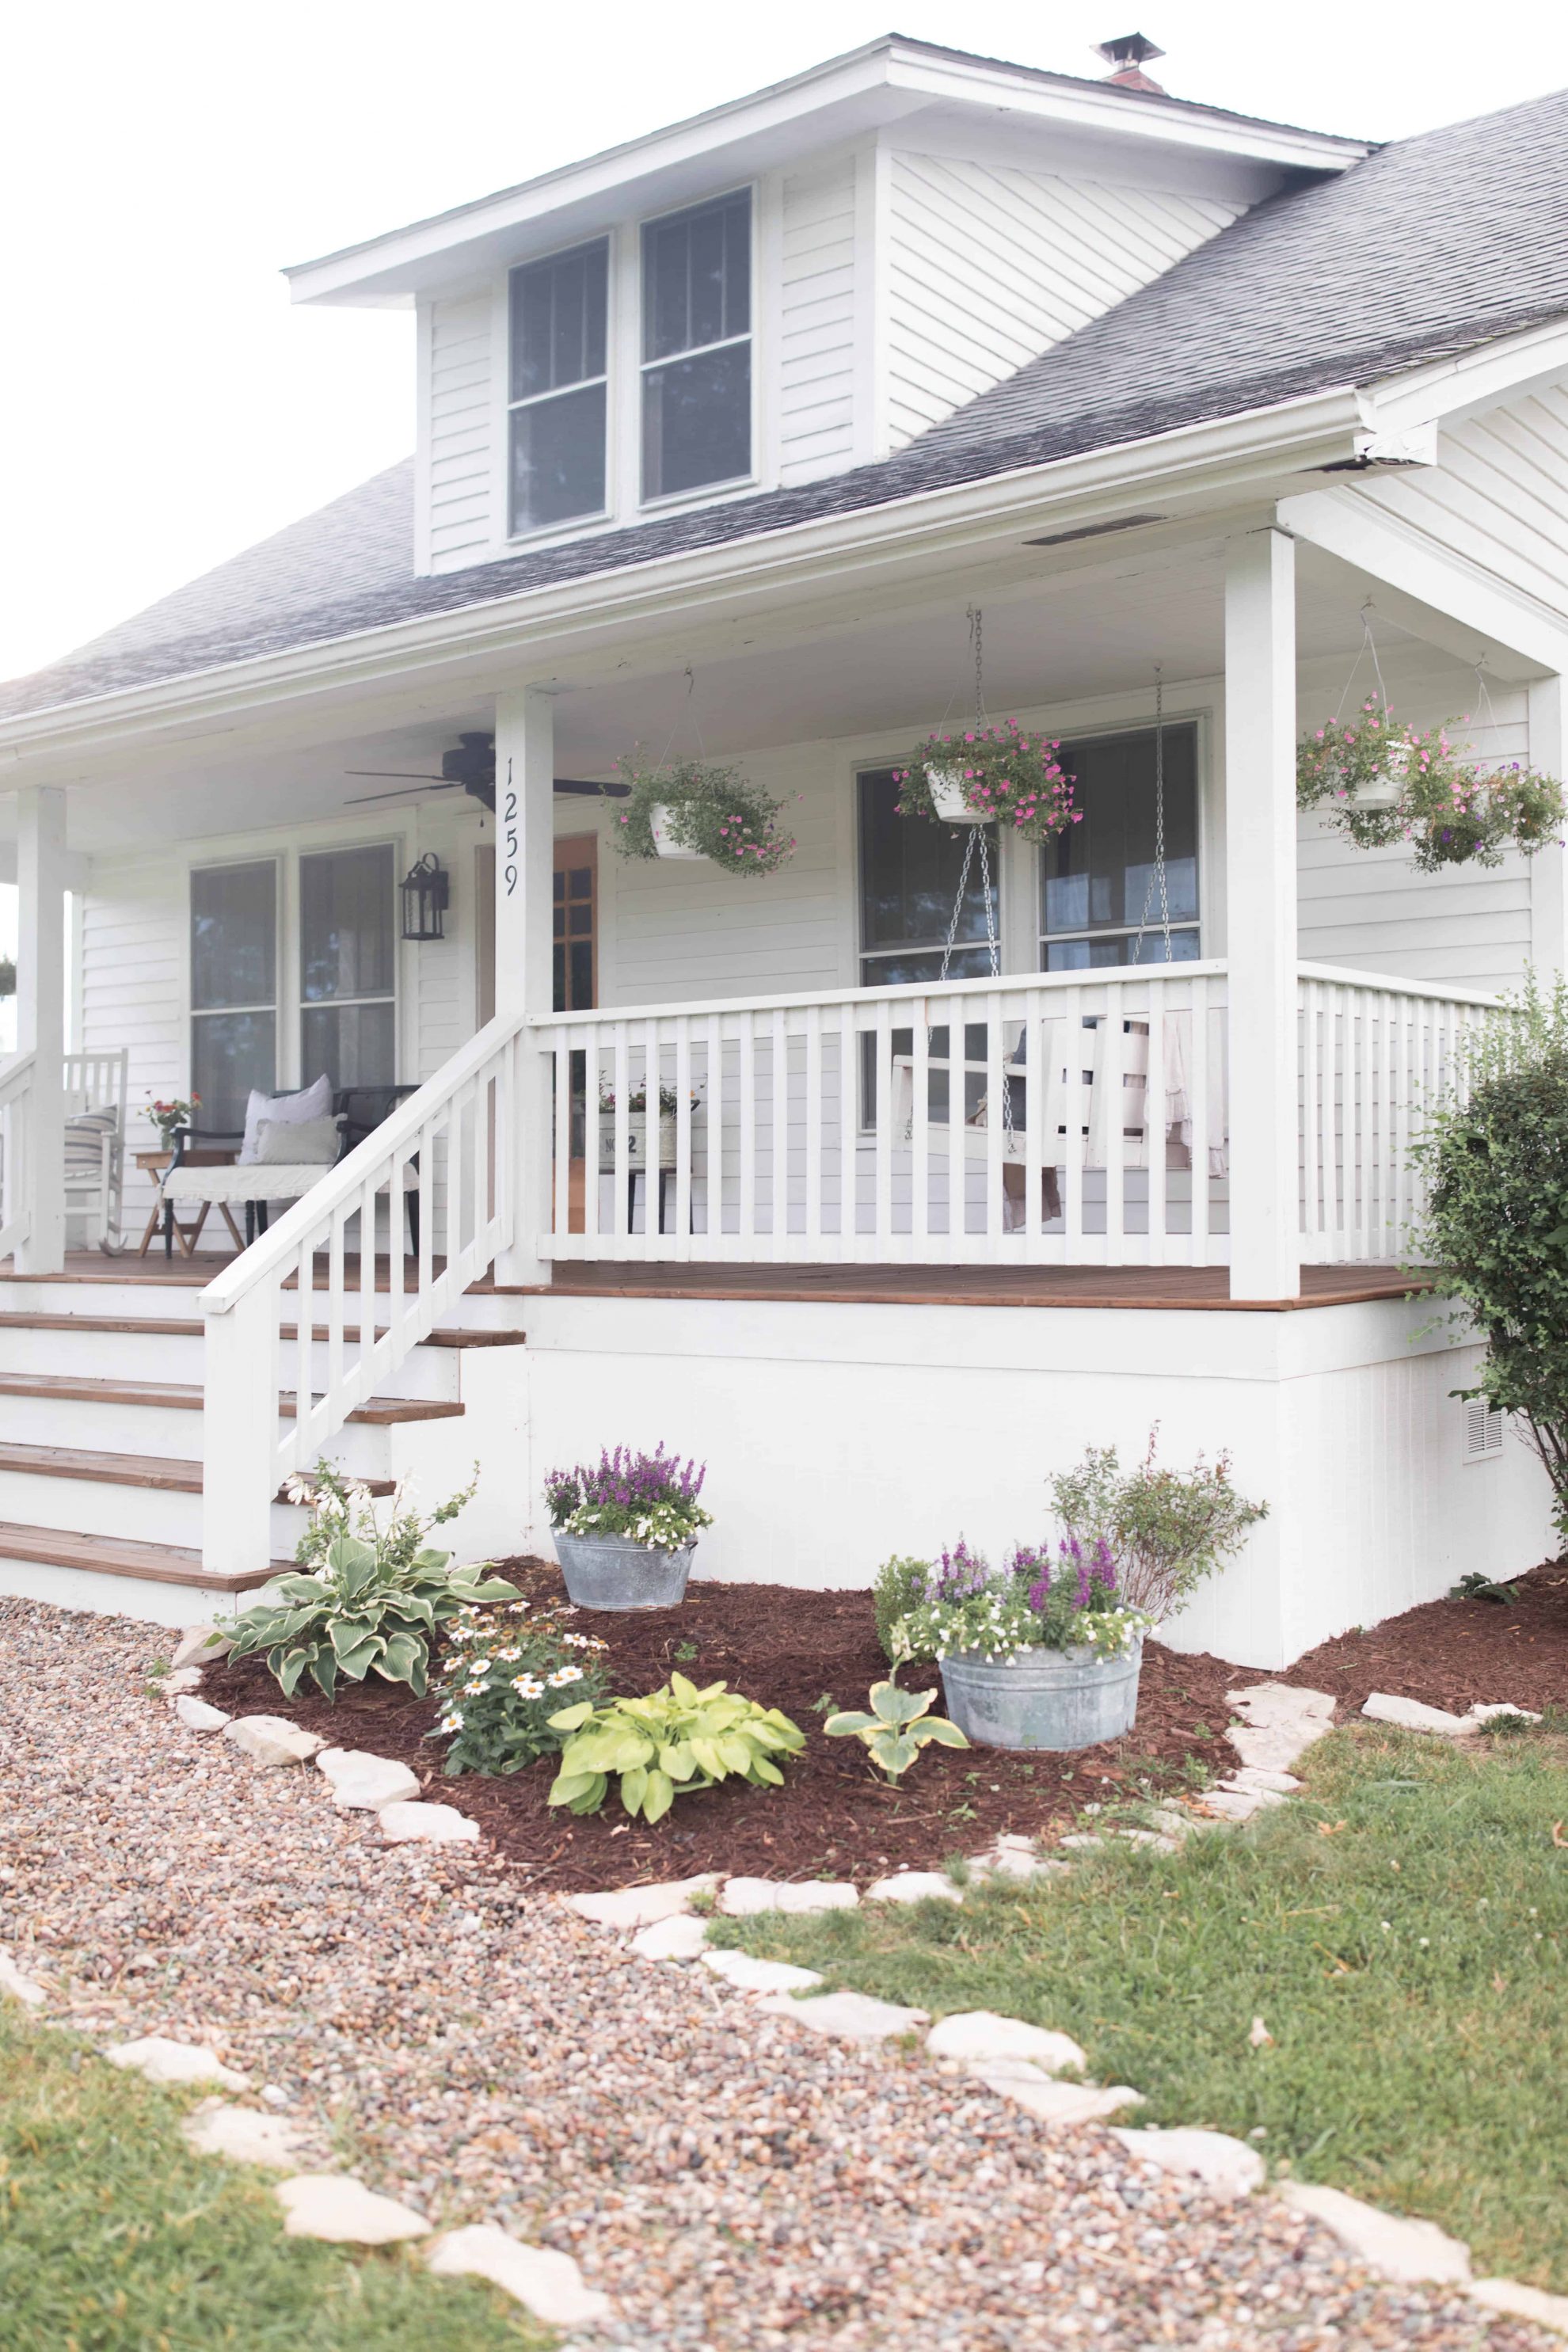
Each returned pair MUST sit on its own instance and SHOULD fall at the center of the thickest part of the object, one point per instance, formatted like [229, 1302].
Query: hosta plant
[506, 1672]
[371, 1603]
[898, 1726]
[665, 1746]
[1004, 776]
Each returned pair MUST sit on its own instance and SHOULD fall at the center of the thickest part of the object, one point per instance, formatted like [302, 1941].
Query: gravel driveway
[732, 2180]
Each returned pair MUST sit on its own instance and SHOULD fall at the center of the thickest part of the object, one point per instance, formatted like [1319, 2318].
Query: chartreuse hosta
[675, 1741]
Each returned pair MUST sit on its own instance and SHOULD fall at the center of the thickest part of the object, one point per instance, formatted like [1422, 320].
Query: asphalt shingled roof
[1430, 246]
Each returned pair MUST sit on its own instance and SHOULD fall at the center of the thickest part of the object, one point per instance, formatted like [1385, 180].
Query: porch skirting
[838, 1434]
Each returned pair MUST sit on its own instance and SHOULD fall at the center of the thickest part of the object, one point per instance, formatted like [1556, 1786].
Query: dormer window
[696, 347]
[559, 317]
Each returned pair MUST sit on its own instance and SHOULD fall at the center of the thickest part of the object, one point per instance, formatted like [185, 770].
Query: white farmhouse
[777, 439]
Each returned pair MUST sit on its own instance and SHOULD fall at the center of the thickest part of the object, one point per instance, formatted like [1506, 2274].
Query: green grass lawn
[1400, 1929]
[115, 2237]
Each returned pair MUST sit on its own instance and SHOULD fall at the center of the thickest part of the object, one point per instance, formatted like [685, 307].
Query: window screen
[559, 311]
[697, 349]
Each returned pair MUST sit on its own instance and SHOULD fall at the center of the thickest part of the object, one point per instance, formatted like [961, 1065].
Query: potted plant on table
[625, 1527]
[696, 809]
[1046, 1652]
[990, 775]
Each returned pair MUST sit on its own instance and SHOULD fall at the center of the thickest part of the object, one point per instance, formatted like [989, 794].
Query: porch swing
[1061, 1115]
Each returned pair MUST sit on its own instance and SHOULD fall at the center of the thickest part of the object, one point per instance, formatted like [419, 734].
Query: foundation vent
[1483, 1430]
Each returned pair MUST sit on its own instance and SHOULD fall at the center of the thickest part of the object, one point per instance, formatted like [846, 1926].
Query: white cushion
[296, 1142]
[314, 1101]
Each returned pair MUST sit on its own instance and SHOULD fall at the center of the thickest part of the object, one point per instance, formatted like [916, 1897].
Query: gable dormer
[784, 287]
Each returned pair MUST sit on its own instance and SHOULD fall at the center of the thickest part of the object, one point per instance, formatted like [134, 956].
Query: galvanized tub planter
[1056, 1699]
[613, 1572]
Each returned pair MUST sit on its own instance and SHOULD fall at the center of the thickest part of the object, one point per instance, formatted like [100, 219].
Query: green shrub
[665, 1746]
[506, 1673]
[1494, 1154]
[1165, 1529]
[899, 1586]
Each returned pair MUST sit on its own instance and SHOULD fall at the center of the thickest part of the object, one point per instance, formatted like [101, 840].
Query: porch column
[1260, 902]
[525, 827]
[41, 1017]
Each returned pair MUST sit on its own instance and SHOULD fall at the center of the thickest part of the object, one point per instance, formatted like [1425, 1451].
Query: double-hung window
[909, 907]
[696, 347]
[1101, 882]
[557, 424]
[348, 1010]
[233, 988]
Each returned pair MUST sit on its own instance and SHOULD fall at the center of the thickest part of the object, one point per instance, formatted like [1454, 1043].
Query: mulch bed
[788, 1648]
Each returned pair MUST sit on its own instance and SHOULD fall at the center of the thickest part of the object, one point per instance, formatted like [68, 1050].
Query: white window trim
[571, 525]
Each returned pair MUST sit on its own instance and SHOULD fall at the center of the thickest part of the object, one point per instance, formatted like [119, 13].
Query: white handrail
[1386, 984]
[16, 1204]
[904, 991]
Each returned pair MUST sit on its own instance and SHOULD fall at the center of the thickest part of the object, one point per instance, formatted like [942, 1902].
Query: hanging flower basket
[696, 810]
[1378, 783]
[990, 775]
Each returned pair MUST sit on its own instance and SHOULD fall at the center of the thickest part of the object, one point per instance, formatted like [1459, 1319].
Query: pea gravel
[480, 2053]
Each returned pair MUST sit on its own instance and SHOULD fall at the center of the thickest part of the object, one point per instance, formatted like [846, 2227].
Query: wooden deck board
[1113, 1286]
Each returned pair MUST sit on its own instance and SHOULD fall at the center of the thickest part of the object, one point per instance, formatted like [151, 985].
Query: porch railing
[448, 1150]
[16, 1217]
[1074, 1118]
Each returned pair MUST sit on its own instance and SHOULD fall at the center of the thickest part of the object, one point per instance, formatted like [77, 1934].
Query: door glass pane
[234, 935]
[346, 924]
[231, 1053]
[355, 1044]
[557, 459]
[1101, 875]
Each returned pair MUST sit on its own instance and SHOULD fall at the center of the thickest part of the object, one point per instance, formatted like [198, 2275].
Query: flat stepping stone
[979, 2036]
[198, 1715]
[200, 1645]
[245, 2135]
[335, 2206]
[180, 1678]
[748, 1974]
[365, 1783]
[1226, 2166]
[1490, 1714]
[19, 1986]
[1234, 1804]
[914, 1887]
[270, 1741]
[426, 1825]
[1279, 1721]
[1057, 2106]
[1524, 2301]
[1410, 1714]
[545, 2282]
[847, 2016]
[1013, 1858]
[681, 1938]
[161, 2061]
[1387, 2242]
[743, 1898]
[640, 1906]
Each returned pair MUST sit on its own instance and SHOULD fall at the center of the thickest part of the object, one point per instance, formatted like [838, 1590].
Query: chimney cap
[1127, 55]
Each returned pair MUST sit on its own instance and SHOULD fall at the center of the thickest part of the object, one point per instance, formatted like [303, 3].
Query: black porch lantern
[427, 889]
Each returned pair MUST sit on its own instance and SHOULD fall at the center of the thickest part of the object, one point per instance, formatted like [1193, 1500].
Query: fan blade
[592, 792]
[402, 775]
[360, 799]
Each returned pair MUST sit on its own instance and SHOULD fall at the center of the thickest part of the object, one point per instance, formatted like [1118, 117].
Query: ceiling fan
[470, 767]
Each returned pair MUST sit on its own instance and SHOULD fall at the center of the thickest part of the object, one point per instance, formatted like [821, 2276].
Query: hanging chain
[976, 621]
[1157, 878]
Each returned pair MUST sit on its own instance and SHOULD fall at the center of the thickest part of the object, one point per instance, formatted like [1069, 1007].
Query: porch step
[184, 1396]
[188, 1327]
[158, 1563]
[168, 1478]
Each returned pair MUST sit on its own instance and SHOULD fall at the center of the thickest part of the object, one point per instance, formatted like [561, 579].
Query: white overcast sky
[162, 406]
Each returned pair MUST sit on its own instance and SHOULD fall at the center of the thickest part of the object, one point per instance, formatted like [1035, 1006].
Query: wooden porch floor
[1174, 1287]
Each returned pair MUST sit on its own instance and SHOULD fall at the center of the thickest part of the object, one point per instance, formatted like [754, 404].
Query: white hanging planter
[1383, 791]
[664, 841]
[947, 797]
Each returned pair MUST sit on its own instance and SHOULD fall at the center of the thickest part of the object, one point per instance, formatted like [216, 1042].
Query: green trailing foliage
[1494, 1155]
[372, 1599]
[665, 1746]
[710, 809]
[1448, 807]
[898, 1726]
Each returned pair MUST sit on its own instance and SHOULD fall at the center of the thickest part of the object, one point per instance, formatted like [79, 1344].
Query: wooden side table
[154, 1163]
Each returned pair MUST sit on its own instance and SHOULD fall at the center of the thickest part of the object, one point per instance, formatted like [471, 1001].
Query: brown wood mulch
[788, 1648]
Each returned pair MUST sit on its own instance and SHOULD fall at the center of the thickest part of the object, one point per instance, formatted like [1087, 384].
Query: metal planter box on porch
[613, 1572]
[1055, 1699]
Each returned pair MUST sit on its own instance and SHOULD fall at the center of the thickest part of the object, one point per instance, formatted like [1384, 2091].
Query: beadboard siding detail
[1498, 493]
[816, 323]
[460, 397]
[989, 265]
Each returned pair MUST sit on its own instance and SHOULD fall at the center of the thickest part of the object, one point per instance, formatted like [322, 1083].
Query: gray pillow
[296, 1142]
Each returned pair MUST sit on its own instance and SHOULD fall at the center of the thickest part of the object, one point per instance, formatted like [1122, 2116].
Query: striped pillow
[84, 1143]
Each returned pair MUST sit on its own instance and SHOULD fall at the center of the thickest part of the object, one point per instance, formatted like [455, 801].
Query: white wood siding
[1498, 493]
[459, 399]
[133, 982]
[817, 322]
[989, 265]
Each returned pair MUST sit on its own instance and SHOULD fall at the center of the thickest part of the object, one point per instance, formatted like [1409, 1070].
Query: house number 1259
[509, 819]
